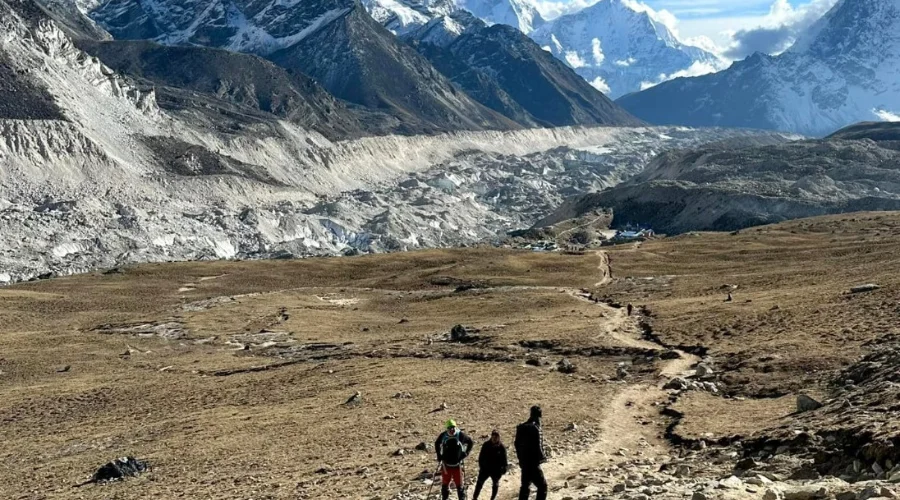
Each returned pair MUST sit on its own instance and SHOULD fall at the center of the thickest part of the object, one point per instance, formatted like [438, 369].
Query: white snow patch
[165, 240]
[886, 116]
[574, 60]
[699, 68]
[599, 84]
[624, 63]
[597, 52]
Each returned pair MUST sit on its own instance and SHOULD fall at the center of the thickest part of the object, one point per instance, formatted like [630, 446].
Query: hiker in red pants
[452, 448]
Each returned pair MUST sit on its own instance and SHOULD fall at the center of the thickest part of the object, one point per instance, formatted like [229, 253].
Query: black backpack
[452, 450]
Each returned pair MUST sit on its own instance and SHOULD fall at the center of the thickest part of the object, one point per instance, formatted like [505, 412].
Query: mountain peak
[620, 47]
[521, 14]
[842, 70]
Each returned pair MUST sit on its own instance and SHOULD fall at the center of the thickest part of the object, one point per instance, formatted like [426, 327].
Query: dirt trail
[622, 433]
[605, 269]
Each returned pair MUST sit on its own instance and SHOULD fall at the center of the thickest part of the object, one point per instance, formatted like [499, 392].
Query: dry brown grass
[792, 323]
[265, 434]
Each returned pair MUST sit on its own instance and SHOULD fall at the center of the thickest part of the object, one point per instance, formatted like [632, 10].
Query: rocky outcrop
[728, 188]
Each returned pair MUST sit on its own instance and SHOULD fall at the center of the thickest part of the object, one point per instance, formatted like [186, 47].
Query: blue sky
[712, 9]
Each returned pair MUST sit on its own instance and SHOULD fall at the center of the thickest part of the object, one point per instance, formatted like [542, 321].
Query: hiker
[630, 308]
[530, 451]
[492, 463]
[452, 448]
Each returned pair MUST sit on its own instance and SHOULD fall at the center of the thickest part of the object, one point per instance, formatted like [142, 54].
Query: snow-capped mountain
[620, 48]
[336, 42]
[845, 69]
[508, 72]
[401, 16]
[521, 14]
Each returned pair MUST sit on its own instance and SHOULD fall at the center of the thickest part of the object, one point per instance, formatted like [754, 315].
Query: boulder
[677, 384]
[119, 469]
[806, 403]
[566, 366]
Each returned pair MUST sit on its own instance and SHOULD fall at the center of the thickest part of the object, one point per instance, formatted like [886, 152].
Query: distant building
[623, 236]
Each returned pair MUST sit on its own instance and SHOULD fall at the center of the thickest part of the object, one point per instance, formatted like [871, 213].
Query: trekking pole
[433, 477]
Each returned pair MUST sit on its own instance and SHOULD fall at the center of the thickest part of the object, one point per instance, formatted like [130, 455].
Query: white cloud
[597, 51]
[777, 30]
[624, 63]
[697, 69]
[600, 85]
[719, 26]
[886, 116]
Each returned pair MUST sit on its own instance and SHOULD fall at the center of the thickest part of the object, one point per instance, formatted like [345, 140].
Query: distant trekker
[630, 308]
[492, 463]
[530, 451]
[452, 447]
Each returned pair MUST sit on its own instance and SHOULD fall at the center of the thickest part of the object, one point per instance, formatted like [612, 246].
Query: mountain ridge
[844, 69]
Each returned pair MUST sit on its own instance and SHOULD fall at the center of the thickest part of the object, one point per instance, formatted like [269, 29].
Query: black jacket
[465, 440]
[492, 458]
[530, 445]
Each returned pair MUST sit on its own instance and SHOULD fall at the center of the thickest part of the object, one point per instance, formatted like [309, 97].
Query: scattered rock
[118, 470]
[669, 354]
[423, 446]
[746, 464]
[572, 427]
[731, 483]
[699, 496]
[806, 403]
[703, 370]
[64, 369]
[441, 408]
[459, 333]
[355, 399]
[566, 366]
[870, 287]
[399, 453]
[403, 395]
[677, 384]
[773, 494]
[621, 372]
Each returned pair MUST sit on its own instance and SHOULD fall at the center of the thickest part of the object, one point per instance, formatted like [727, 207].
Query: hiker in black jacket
[452, 448]
[492, 463]
[530, 451]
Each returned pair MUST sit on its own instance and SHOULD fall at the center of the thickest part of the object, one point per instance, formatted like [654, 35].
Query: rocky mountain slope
[345, 49]
[508, 72]
[621, 49]
[728, 188]
[334, 41]
[229, 89]
[95, 172]
[845, 69]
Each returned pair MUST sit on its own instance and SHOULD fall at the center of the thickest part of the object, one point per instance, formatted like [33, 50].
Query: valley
[231, 377]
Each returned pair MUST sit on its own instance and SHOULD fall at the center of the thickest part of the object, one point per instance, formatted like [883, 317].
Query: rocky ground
[329, 378]
[724, 187]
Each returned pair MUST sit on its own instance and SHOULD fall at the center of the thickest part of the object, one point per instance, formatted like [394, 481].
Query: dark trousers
[533, 475]
[483, 476]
